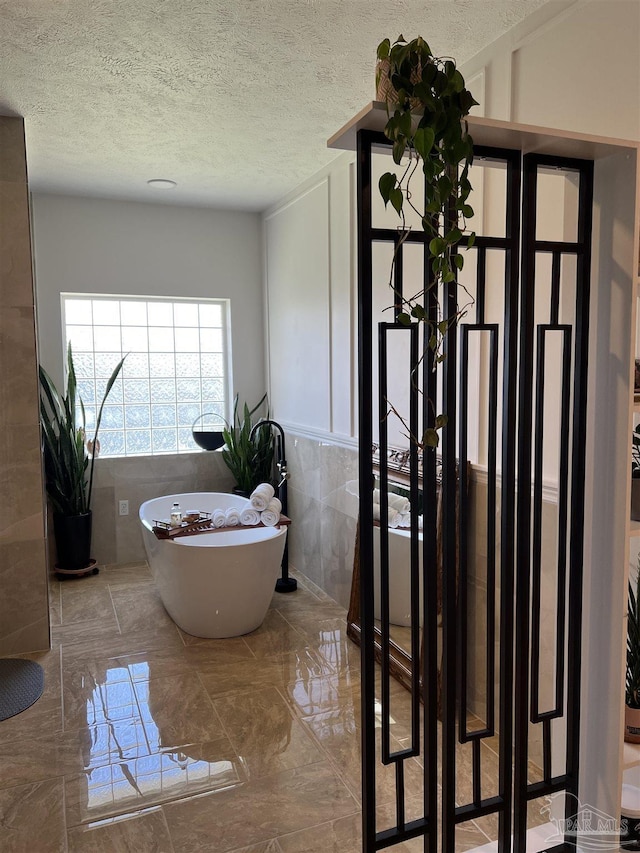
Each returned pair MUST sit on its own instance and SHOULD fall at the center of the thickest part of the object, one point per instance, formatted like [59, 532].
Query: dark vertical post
[523, 512]
[508, 495]
[430, 567]
[365, 441]
[449, 547]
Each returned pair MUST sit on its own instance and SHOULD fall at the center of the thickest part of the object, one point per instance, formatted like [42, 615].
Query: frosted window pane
[163, 390]
[160, 339]
[161, 365]
[187, 413]
[188, 390]
[115, 394]
[210, 315]
[111, 443]
[212, 365]
[165, 375]
[136, 391]
[86, 391]
[186, 340]
[112, 418]
[136, 365]
[106, 312]
[211, 340]
[138, 441]
[106, 363]
[107, 338]
[136, 416]
[187, 365]
[215, 415]
[83, 363]
[90, 419]
[160, 314]
[212, 389]
[185, 440]
[77, 311]
[133, 313]
[81, 338]
[165, 440]
[134, 339]
[163, 416]
[185, 314]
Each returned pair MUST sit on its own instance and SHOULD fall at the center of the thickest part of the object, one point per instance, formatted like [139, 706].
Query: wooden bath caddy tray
[204, 524]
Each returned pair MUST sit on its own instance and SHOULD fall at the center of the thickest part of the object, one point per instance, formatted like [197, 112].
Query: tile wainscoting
[323, 505]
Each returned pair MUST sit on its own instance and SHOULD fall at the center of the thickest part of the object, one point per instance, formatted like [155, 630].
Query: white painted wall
[104, 246]
[574, 65]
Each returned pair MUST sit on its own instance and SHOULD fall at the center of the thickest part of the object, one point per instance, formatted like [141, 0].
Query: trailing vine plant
[427, 103]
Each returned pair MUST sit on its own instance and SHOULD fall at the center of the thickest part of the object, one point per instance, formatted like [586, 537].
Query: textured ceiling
[233, 99]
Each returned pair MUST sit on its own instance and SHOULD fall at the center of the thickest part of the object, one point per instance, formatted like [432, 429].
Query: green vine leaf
[396, 198]
[423, 140]
[431, 438]
[386, 183]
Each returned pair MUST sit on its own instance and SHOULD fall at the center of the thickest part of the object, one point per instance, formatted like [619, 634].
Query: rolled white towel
[405, 520]
[271, 515]
[261, 496]
[393, 519]
[249, 516]
[232, 517]
[275, 505]
[394, 501]
[218, 518]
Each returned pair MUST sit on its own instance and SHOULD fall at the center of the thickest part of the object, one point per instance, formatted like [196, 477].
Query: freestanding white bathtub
[215, 584]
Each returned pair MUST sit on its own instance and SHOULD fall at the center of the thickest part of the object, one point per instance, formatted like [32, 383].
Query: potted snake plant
[250, 459]
[69, 459]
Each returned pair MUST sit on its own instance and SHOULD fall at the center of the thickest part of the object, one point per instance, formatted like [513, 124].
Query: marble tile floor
[148, 739]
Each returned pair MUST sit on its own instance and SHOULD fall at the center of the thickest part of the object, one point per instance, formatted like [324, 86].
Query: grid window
[176, 368]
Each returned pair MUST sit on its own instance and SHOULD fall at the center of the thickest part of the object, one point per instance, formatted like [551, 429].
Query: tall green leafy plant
[632, 681]
[427, 102]
[68, 456]
[250, 460]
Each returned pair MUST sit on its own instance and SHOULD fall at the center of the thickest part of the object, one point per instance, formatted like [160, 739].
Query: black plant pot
[243, 493]
[73, 541]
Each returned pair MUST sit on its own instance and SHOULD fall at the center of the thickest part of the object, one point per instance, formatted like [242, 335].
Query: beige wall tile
[33, 637]
[16, 278]
[13, 163]
[21, 497]
[103, 526]
[19, 377]
[24, 620]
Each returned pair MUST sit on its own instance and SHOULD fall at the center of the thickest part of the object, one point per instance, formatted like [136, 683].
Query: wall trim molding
[480, 474]
[339, 439]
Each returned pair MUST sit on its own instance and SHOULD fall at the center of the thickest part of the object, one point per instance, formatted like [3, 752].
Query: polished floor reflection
[147, 739]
